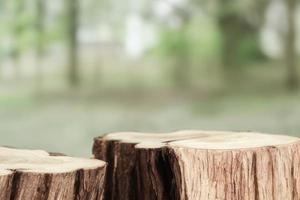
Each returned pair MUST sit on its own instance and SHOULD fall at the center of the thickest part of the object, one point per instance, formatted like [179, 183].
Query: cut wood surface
[200, 165]
[37, 175]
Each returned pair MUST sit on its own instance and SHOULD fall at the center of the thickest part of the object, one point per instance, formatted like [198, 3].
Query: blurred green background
[72, 70]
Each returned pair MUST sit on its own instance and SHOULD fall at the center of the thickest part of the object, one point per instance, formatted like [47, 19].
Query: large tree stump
[37, 175]
[200, 165]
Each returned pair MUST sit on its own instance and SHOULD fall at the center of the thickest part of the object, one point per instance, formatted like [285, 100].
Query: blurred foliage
[249, 50]
[190, 39]
[190, 35]
[174, 43]
[158, 64]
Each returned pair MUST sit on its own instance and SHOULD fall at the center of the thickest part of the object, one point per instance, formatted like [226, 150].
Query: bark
[37, 175]
[202, 165]
[121, 161]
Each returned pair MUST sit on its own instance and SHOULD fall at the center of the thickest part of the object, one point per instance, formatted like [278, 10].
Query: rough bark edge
[258, 169]
[81, 184]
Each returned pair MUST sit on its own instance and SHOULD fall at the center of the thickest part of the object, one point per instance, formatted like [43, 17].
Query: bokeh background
[72, 70]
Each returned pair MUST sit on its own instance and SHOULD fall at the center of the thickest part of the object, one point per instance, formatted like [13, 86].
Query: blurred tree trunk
[229, 27]
[17, 34]
[230, 24]
[237, 27]
[290, 46]
[72, 29]
[40, 49]
[181, 67]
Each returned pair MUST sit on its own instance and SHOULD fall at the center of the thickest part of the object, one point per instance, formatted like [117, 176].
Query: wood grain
[200, 165]
[37, 175]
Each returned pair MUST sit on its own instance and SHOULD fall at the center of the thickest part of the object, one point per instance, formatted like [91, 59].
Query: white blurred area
[139, 36]
[272, 34]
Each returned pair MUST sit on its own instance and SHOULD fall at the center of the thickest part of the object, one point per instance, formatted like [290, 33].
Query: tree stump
[200, 165]
[37, 175]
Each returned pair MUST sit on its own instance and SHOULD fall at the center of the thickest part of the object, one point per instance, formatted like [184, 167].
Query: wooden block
[37, 175]
[200, 165]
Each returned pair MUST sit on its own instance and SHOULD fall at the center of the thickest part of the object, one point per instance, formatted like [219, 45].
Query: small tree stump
[200, 165]
[37, 175]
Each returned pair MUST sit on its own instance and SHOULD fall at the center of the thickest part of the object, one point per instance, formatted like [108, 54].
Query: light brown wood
[200, 165]
[37, 175]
